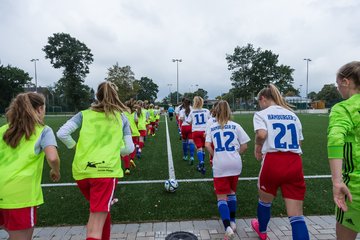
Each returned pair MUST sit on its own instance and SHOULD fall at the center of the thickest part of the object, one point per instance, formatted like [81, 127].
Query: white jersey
[184, 118]
[284, 130]
[198, 118]
[227, 141]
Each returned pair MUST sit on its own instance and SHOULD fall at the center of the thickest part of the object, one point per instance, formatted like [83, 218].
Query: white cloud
[146, 35]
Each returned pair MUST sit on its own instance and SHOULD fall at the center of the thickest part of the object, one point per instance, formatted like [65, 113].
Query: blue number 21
[291, 127]
[219, 145]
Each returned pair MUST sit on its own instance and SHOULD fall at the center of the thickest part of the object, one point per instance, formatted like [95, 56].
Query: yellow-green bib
[142, 120]
[98, 148]
[133, 127]
[20, 172]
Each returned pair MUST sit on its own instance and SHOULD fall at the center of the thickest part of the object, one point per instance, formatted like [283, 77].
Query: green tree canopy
[74, 57]
[148, 90]
[13, 80]
[329, 93]
[252, 69]
[123, 78]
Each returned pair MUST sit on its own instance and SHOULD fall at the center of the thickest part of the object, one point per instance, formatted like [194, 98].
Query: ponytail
[271, 92]
[222, 113]
[108, 100]
[22, 117]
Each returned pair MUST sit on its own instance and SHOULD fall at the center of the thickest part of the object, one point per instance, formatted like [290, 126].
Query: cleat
[255, 227]
[127, 171]
[229, 234]
[233, 226]
[191, 161]
[153, 134]
[132, 163]
[185, 158]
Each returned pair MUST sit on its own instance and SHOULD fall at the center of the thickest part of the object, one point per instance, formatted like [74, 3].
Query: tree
[312, 95]
[75, 57]
[13, 80]
[252, 69]
[330, 94]
[148, 90]
[202, 93]
[123, 78]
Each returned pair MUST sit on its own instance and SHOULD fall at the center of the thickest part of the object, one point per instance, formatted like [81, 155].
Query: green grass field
[193, 200]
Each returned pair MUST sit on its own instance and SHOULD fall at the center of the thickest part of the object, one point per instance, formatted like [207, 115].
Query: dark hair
[351, 71]
[22, 117]
[186, 105]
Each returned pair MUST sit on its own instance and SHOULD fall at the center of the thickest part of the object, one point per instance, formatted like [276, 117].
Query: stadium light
[307, 76]
[177, 78]
[35, 60]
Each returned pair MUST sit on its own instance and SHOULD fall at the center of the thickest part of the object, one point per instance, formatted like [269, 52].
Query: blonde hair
[272, 93]
[222, 113]
[198, 102]
[108, 100]
[22, 117]
[351, 71]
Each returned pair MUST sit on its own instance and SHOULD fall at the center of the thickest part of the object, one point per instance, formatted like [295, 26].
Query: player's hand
[55, 175]
[258, 155]
[340, 190]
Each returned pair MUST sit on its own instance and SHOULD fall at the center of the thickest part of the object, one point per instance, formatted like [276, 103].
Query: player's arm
[49, 145]
[64, 133]
[243, 148]
[339, 125]
[340, 190]
[128, 142]
[260, 137]
[209, 148]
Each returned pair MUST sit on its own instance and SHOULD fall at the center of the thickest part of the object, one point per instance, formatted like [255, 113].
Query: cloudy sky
[148, 34]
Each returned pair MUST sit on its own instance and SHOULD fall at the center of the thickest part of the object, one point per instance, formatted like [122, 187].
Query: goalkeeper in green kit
[344, 151]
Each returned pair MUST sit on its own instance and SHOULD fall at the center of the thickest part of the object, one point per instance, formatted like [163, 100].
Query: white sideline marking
[179, 180]
[169, 152]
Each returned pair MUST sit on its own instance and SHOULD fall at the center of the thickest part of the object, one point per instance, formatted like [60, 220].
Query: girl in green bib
[25, 140]
[104, 135]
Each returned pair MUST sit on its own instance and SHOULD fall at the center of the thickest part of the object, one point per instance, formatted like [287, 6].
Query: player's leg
[184, 143]
[19, 223]
[232, 201]
[222, 189]
[101, 195]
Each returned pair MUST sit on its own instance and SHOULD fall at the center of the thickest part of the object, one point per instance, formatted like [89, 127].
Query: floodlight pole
[35, 60]
[177, 78]
[307, 77]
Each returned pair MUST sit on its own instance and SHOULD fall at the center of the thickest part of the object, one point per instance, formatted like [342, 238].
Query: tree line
[251, 69]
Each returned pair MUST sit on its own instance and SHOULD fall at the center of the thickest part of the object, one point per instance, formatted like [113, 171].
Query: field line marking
[169, 152]
[179, 180]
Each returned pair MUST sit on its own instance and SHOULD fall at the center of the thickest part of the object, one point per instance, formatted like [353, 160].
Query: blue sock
[231, 201]
[185, 147]
[299, 229]
[192, 149]
[263, 213]
[200, 156]
[224, 212]
[203, 152]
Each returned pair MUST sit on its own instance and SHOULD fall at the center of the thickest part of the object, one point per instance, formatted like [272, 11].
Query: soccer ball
[171, 185]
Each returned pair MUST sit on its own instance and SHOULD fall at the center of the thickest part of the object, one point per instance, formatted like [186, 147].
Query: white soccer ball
[171, 185]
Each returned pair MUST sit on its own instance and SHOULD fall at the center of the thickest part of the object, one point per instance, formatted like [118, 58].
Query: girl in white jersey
[24, 142]
[186, 133]
[277, 145]
[198, 118]
[104, 135]
[229, 140]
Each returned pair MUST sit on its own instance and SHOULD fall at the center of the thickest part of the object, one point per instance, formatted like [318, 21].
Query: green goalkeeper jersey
[344, 140]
